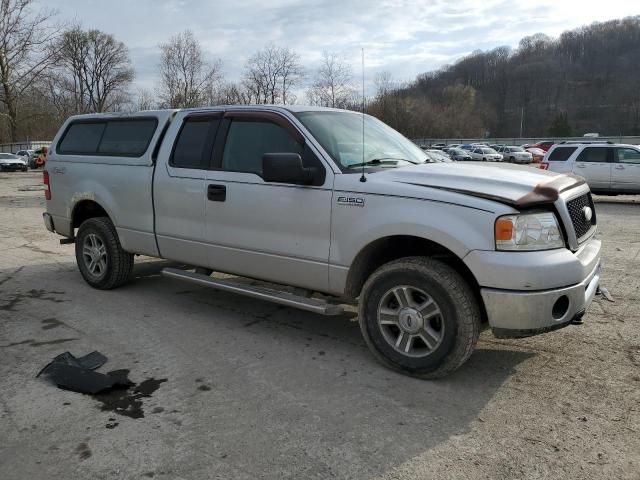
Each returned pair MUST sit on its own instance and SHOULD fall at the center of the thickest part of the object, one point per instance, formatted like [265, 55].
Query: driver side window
[628, 155]
[248, 140]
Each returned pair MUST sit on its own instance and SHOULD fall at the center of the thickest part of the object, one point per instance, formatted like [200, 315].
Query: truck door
[179, 188]
[594, 164]
[625, 175]
[273, 231]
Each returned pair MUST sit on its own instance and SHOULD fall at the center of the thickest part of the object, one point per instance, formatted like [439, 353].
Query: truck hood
[515, 185]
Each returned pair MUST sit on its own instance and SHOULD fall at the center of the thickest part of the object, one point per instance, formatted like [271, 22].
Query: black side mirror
[286, 168]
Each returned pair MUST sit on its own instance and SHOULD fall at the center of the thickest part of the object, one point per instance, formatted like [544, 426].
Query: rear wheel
[100, 257]
[419, 316]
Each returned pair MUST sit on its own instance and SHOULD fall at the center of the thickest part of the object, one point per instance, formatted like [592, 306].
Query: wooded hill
[587, 80]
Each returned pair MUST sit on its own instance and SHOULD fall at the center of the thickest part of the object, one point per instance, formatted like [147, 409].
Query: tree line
[585, 80]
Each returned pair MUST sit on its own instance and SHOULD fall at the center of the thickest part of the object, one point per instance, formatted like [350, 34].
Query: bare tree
[94, 70]
[145, 100]
[186, 77]
[332, 83]
[24, 54]
[271, 74]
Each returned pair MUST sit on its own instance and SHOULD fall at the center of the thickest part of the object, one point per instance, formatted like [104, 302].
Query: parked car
[438, 146]
[485, 154]
[467, 146]
[536, 153]
[30, 157]
[438, 155]
[428, 251]
[459, 154]
[608, 168]
[514, 154]
[12, 163]
[546, 145]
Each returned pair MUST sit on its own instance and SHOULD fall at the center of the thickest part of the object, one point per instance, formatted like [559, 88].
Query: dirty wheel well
[395, 247]
[85, 210]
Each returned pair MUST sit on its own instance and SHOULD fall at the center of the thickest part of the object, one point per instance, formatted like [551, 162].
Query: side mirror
[286, 168]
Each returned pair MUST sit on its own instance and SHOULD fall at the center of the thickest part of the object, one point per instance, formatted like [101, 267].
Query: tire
[101, 260]
[440, 343]
[512, 160]
[484, 159]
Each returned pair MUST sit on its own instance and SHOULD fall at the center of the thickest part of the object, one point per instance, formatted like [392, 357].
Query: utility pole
[521, 120]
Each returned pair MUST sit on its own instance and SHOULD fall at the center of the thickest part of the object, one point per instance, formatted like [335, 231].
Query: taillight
[544, 166]
[45, 180]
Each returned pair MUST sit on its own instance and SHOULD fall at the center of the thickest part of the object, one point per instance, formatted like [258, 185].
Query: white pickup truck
[330, 202]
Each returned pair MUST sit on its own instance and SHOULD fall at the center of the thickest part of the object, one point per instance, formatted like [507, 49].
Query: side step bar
[281, 298]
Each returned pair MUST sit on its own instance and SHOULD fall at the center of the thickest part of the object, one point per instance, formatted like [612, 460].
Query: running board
[281, 298]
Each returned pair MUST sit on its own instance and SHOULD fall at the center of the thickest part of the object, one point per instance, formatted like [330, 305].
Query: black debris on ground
[113, 390]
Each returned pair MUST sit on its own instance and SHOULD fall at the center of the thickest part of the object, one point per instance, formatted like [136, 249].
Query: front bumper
[515, 314]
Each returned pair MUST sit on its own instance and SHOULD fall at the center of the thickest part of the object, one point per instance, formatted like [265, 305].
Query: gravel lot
[245, 389]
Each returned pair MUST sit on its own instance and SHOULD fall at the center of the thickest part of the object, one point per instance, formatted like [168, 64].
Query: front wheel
[419, 317]
[100, 257]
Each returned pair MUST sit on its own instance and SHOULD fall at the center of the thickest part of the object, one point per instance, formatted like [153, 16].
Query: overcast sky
[402, 36]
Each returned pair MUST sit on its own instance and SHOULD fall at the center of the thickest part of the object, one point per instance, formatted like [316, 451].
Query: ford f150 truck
[330, 202]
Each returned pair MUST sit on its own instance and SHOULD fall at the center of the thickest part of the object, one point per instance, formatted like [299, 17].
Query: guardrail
[632, 140]
[27, 145]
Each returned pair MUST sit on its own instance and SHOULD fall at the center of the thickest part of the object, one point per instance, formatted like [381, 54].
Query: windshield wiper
[377, 161]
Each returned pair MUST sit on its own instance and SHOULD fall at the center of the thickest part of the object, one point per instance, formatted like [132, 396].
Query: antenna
[363, 178]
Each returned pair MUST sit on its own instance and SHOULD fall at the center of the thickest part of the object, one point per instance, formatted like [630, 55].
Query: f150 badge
[351, 201]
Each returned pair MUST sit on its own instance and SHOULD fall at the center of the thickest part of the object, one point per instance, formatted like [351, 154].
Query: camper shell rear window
[125, 137]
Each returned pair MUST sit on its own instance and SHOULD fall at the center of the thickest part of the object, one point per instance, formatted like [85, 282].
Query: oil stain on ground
[83, 451]
[49, 323]
[129, 402]
[16, 299]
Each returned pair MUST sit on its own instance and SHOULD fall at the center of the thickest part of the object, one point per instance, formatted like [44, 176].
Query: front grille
[576, 211]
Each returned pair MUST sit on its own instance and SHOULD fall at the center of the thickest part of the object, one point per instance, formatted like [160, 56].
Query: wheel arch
[389, 248]
[86, 209]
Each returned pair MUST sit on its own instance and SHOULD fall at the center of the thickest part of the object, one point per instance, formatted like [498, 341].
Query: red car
[546, 145]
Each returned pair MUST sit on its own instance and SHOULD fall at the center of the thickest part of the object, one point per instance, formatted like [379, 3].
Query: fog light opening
[560, 308]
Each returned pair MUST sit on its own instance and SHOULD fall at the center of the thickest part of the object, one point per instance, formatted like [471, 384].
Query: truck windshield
[340, 134]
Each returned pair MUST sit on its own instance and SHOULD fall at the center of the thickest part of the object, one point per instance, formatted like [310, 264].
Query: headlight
[531, 231]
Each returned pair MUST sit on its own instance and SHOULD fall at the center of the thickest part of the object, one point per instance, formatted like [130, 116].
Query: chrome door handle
[619, 167]
[580, 165]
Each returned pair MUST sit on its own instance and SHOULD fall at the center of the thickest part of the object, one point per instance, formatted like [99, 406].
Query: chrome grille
[576, 207]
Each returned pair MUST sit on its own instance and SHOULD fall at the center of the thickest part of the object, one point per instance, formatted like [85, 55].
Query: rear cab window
[109, 137]
[194, 144]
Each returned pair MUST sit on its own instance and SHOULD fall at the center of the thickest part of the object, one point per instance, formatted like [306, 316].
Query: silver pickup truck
[338, 206]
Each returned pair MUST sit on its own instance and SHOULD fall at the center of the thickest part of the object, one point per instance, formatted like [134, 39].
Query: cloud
[401, 36]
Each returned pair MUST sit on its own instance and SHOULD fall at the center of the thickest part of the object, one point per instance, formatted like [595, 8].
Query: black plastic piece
[78, 375]
[286, 168]
[65, 241]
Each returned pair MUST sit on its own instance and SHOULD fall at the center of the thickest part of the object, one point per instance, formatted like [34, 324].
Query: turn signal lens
[504, 229]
